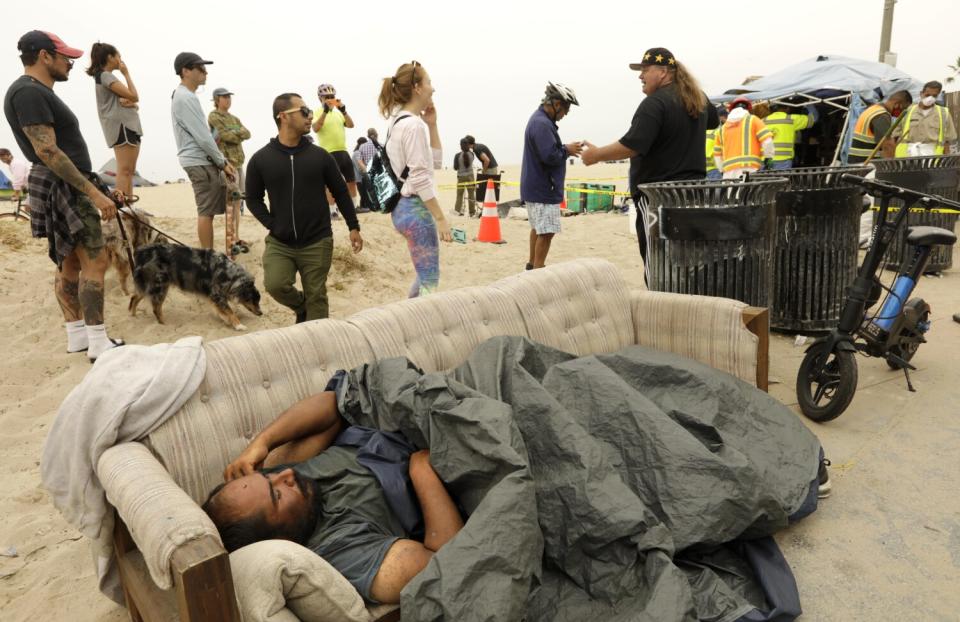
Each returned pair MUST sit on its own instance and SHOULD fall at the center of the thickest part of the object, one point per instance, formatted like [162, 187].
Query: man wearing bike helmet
[329, 123]
[545, 169]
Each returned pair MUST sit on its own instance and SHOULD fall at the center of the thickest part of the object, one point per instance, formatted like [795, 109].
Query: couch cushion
[250, 380]
[704, 328]
[280, 581]
[439, 331]
[581, 307]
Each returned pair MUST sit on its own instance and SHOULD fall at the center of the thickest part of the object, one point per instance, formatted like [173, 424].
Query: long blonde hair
[691, 95]
[397, 90]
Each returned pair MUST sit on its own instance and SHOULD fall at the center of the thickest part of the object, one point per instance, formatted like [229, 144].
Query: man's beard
[60, 77]
[303, 526]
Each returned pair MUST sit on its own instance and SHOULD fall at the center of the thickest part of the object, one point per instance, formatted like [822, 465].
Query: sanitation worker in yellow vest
[872, 127]
[785, 122]
[927, 128]
[712, 171]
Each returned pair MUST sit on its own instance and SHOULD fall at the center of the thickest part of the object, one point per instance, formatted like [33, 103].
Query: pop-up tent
[108, 174]
[840, 83]
[827, 80]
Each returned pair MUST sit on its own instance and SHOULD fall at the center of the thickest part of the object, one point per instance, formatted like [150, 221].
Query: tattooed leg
[93, 263]
[91, 301]
[68, 295]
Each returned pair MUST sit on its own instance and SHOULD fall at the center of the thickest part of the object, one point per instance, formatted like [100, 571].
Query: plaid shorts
[544, 217]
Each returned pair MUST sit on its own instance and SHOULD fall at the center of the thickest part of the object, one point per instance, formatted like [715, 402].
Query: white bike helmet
[563, 93]
[325, 89]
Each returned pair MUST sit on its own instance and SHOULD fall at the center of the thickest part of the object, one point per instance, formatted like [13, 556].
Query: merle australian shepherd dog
[200, 271]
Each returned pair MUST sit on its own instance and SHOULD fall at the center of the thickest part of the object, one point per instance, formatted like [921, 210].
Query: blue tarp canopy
[828, 79]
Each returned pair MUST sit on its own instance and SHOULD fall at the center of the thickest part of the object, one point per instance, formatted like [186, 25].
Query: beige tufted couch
[171, 562]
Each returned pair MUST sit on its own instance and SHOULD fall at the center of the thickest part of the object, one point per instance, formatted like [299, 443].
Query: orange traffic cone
[490, 221]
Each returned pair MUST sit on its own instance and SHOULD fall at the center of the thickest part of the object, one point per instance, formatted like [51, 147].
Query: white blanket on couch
[125, 396]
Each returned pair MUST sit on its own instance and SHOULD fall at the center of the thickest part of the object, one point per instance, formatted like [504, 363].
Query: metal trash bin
[713, 238]
[818, 229]
[931, 174]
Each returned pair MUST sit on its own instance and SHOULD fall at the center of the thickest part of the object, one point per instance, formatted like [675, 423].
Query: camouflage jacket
[229, 134]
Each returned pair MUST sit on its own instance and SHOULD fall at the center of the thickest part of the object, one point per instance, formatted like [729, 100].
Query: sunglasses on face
[304, 110]
[200, 68]
[329, 96]
[55, 55]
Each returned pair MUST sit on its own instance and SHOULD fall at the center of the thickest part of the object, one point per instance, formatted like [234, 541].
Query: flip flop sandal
[116, 344]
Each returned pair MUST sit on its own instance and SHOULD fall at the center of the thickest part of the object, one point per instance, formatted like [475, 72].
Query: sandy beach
[877, 547]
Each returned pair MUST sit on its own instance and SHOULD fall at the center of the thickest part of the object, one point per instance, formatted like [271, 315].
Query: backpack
[384, 183]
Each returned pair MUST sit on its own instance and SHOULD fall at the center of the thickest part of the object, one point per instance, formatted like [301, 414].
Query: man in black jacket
[296, 175]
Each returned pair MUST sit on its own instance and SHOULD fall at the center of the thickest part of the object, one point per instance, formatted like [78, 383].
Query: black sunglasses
[304, 110]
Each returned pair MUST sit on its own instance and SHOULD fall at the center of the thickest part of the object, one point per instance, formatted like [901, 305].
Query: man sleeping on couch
[364, 500]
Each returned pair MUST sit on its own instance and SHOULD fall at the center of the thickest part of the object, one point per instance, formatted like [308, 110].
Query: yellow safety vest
[711, 141]
[901, 151]
[863, 139]
[785, 126]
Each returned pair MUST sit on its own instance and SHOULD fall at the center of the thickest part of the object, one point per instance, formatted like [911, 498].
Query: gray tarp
[597, 488]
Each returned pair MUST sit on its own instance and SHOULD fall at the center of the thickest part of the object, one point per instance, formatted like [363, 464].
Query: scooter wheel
[826, 383]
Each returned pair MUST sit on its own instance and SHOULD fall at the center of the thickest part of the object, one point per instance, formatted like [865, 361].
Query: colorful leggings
[415, 222]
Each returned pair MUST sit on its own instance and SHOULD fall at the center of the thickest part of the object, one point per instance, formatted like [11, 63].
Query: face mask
[928, 101]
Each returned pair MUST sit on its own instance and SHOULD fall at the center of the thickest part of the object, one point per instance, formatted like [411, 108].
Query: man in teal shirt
[329, 123]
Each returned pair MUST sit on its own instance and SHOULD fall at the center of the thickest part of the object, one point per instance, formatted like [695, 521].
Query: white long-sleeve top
[409, 145]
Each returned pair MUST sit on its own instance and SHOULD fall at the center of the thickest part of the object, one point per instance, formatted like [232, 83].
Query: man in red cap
[666, 137]
[66, 205]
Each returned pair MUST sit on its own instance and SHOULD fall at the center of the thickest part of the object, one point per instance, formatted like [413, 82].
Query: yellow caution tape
[918, 210]
[464, 184]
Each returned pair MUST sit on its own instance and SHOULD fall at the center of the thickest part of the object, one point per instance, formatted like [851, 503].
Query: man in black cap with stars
[666, 137]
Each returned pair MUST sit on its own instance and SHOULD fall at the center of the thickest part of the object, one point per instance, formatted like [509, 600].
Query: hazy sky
[489, 69]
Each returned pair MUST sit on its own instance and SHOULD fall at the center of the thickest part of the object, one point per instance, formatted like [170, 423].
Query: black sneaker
[301, 316]
[529, 266]
[823, 491]
[956, 317]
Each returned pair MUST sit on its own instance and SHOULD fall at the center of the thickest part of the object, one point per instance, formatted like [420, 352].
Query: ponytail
[99, 54]
[398, 89]
[691, 95]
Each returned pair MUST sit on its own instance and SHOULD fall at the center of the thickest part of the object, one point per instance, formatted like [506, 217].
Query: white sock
[76, 336]
[98, 340]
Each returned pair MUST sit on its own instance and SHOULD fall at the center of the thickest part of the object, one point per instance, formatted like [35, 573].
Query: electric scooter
[827, 379]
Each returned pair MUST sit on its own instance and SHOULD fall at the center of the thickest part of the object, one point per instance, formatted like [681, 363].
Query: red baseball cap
[37, 40]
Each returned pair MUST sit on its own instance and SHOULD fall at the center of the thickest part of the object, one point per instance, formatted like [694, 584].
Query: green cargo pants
[280, 266]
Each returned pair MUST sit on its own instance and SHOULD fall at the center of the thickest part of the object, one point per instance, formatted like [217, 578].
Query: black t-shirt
[483, 149]
[28, 102]
[669, 142]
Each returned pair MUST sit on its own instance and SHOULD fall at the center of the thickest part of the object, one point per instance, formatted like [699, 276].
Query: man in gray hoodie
[196, 149]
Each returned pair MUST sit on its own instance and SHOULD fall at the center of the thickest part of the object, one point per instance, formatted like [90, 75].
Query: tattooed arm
[44, 141]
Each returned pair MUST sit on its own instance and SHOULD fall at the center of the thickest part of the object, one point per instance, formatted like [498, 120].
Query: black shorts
[127, 137]
[345, 164]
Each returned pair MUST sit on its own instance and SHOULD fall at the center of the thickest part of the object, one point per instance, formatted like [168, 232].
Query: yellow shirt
[333, 135]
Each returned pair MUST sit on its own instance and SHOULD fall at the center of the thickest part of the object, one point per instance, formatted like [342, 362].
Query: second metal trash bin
[713, 238]
[818, 226]
[931, 174]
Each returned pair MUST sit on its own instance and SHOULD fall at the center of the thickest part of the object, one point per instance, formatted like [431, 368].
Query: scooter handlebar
[912, 197]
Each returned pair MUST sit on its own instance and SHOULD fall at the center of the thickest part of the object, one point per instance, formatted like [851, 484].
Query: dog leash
[126, 203]
[123, 232]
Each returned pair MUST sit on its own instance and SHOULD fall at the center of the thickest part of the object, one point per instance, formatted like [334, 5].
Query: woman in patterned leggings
[413, 143]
